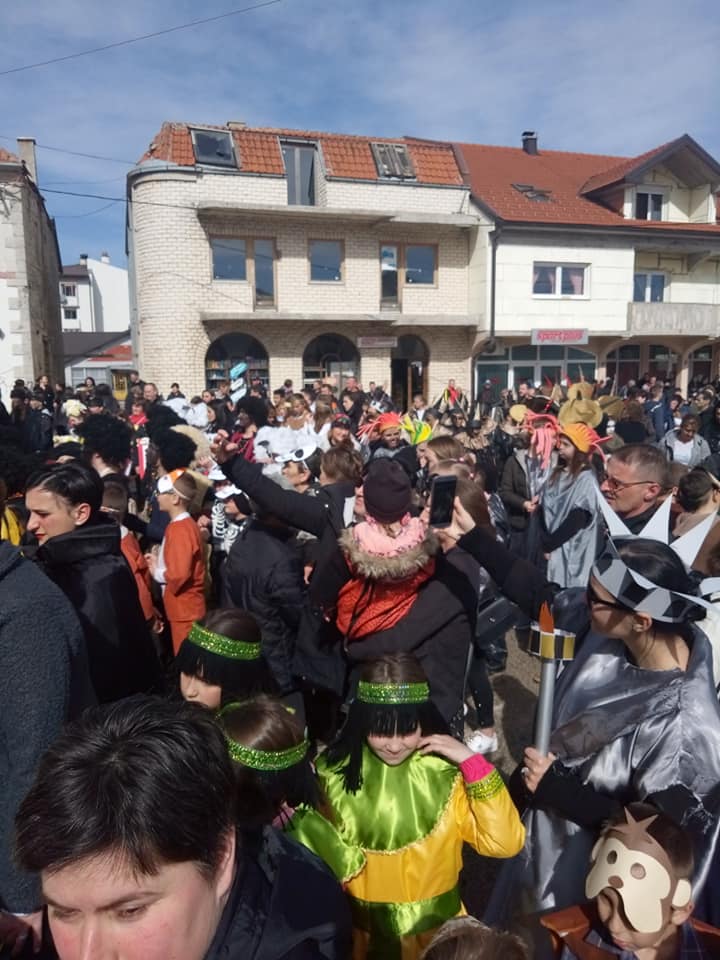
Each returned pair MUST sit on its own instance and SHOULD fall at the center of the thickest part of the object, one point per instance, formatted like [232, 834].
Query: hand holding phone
[442, 499]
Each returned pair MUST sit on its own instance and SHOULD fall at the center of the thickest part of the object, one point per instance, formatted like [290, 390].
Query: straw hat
[581, 411]
[518, 412]
[611, 406]
[582, 389]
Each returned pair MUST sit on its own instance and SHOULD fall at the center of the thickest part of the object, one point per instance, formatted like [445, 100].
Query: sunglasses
[615, 485]
[593, 600]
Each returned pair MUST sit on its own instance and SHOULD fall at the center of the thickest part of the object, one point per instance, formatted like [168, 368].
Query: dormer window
[299, 160]
[539, 194]
[393, 161]
[213, 148]
[648, 204]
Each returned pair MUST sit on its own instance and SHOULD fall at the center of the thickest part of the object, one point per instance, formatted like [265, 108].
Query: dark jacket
[44, 682]
[37, 431]
[514, 492]
[263, 574]
[284, 905]
[318, 653]
[90, 569]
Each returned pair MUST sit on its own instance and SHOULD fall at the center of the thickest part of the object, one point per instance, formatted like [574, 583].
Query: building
[30, 335]
[106, 357]
[303, 254]
[599, 265]
[408, 262]
[94, 296]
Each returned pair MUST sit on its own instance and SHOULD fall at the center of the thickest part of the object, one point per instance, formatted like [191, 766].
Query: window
[539, 194]
[389, 265]
[68, 289]
[420, 264]
[559, 280]
[326, 261]
[70, 313]
[393, 160]
[648, 205]
[229, 258]
[649, 288]
[264, 261]
[299, 160]
[213, 147]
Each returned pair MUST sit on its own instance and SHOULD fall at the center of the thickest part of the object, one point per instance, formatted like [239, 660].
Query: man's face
[628, 490]
[295, 473]
[522, 390]
[417, 403]
[687, 431]
[150, 392]
[338, 436]
[51, 516]
[99, 908]
[391, 438]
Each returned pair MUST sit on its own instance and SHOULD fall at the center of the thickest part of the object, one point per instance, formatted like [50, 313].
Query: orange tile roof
[7, 157]
[619, 172]
[492, 171]
[345, 156]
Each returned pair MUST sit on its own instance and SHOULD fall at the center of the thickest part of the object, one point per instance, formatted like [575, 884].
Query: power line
[90, 213]
[75, 153]
[100, 196]
[146, 36]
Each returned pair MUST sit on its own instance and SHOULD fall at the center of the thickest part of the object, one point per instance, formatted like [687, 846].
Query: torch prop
[553, 647]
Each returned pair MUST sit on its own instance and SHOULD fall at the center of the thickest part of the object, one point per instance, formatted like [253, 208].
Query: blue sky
[618, 77]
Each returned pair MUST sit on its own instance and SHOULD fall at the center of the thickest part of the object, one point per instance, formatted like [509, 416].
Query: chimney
[104, 257]
[26, 149]
[83, 259]
[529, 142]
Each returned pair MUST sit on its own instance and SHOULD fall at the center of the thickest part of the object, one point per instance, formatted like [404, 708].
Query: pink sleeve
[475, 768]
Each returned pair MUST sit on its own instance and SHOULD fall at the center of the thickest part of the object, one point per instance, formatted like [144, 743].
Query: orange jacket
[138, 564]
[184, 594]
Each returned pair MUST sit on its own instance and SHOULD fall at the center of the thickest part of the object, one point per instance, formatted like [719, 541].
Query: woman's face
[607, 616]
[207, 396]
[211, 414]
[196, 690]
[43, 381]
[242, 420]
[431, 459]
[347, 403]
[396, 749]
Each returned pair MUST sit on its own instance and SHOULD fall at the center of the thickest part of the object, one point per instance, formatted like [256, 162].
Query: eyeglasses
[593, 600]
[614, 484]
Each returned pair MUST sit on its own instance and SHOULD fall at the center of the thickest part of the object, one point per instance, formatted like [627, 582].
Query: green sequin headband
[267, 760]
[223, 646]
[392, 694]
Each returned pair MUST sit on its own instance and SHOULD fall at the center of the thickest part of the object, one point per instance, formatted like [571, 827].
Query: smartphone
[442, 499]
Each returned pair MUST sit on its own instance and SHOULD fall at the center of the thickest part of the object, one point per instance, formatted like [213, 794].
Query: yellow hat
[580, 389]
[518, 412]
[581, 411]
[581, 436]
[612, 406]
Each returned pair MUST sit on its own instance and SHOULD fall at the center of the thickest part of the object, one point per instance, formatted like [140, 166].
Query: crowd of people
[246, 661]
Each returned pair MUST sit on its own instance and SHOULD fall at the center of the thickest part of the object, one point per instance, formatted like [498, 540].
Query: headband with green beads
[392, 694]
[223, 646]
[267, 760]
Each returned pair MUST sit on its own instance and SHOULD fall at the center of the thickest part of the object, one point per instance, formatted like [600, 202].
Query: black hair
[160, 419]
[73, 482]
[314, 463]
[175, 450]
[239, 679]
[15, 466]
[107, 437]
[144, 779]
[383, 720]
[663, 567]
[255, 408]
[693, 489]
[266, 724]
[668, 834]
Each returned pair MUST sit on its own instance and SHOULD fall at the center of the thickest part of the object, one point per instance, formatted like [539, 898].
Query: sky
[618, 77]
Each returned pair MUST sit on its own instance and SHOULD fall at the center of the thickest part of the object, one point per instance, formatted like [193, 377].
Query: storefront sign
[562, 337]
[376, 343]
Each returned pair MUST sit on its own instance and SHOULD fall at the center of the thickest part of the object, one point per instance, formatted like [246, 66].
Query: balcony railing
[674, 319]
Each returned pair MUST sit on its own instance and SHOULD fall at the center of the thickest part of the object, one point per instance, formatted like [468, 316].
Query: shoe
[481, 743]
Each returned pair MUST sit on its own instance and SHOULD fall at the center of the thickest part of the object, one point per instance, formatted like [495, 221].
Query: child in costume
[641, 896]
[408, 795]
[221, 660]
[115, 505]
[180, 565]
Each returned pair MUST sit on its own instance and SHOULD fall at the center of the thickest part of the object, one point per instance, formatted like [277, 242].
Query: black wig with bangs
[383, 719]
[239, 677]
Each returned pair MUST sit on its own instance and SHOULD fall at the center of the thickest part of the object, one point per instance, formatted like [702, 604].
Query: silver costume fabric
[632, 734]
[570, 564]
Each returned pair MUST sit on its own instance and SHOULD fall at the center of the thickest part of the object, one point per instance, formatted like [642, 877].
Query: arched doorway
[663, 362]
[409, 361]
[229, 350]
[700, 367]
[330, 355]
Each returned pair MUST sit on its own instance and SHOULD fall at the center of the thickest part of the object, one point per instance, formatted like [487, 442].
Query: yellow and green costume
[397, 844]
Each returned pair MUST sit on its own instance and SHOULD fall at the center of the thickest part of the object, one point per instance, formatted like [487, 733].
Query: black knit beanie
[388, 494]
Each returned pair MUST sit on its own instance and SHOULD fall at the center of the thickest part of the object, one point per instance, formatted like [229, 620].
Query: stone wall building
[30, 334]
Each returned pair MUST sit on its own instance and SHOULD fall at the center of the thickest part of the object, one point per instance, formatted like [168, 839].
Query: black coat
[514, 492]
[44, 682]
[263, 574]
[90, 569]
[284, 905]
[318, 652]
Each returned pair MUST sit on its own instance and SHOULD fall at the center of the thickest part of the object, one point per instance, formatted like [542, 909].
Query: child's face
[611, 912]
[396, 749]
[196, 690]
